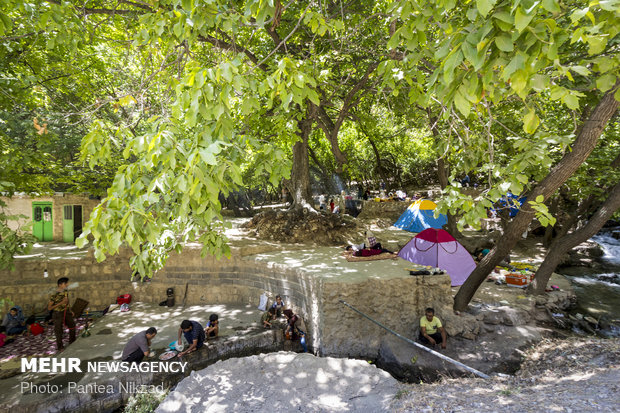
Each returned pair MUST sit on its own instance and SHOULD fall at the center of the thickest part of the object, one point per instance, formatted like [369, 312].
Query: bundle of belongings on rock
[515, 274]
[428, 271]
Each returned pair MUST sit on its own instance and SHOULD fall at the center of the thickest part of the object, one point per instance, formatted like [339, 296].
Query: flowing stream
[598, 292]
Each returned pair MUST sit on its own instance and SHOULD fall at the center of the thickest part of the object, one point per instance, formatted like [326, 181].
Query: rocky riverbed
[574, 375]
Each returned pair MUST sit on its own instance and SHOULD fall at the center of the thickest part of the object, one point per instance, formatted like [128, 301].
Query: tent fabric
[425, 204]
[419, 216]
[437, 248]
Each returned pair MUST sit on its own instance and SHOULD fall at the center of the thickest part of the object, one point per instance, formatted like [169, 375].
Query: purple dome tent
[437, 248]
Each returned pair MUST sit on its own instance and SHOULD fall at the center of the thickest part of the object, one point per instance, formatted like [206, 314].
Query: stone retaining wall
[396, 303]
[333, 328]
[390, 210]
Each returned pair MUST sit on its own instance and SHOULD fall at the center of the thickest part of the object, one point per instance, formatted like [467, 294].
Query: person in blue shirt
[193, 333]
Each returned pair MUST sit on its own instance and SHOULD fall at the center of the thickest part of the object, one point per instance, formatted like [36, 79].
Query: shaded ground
[576, 375]
[110, 333]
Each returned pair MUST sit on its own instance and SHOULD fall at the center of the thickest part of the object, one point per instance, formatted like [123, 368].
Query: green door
[42, 225]
[71, 222]
[67, 223]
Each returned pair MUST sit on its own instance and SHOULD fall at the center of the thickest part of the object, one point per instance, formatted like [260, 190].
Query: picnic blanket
[382, 256]
[42, 345]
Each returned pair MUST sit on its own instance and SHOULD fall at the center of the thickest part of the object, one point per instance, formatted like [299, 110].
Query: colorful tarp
[419, 216]
[437, 248]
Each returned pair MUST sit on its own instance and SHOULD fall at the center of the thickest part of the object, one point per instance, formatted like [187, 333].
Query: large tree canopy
[180, 101]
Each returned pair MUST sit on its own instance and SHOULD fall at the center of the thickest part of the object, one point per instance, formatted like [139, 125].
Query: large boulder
[284, 382]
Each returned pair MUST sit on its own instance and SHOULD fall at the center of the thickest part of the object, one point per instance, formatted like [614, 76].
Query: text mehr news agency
[72, 364]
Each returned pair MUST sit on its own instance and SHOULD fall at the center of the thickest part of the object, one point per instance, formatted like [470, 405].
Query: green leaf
[207, 156]
[582, 70]
[6, 22]
[504, 43]
[571, 101]
[605, 82]
[551, 6]
[596, 44]
[450, 64]
[518, 82]
[504, 17]
[485, 6]
[531, 122]
[522, 20]
[578, 14]
[539, 82]
[461, 103]
[540, 198]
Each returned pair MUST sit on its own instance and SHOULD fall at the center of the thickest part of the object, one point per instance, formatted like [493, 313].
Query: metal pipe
[433, 352]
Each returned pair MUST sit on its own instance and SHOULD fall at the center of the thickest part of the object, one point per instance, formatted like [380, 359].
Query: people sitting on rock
[14, 321]
[138, 346]
[331, 205]
[213, 326]
[278, 305]
[431, 329]
[267, 317]
[295, 328]
[193, 333]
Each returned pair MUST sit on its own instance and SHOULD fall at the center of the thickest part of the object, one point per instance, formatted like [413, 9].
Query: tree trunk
[380, 167]
[562, 245]
[325, 176]
[574, 218]
[584, 144]
[299, 184]
[549, 229]
[442, 175]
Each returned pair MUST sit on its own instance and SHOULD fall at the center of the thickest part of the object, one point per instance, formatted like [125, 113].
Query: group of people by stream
[196, 335]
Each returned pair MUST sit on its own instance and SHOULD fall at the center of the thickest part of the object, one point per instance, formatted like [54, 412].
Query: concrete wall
[22, 204]
[333, 328]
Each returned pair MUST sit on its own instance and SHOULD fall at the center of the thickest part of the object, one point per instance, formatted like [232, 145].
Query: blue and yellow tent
[419, 216]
